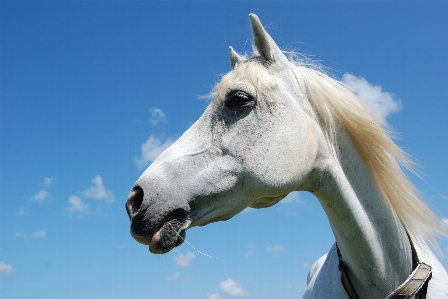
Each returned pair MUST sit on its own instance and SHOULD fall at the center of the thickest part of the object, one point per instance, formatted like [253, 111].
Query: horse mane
[334, 104]
[373, 138]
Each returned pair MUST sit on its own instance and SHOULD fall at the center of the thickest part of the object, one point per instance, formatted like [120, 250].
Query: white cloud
[250, 252]
[98, 191]
[184, 260]
[157, 116]
[43, 194]
[21, 211]
[174, 277]
[5, 268]
[383, 103]
[214, 296]
[151, 149]
[39, 234]
[76, 205]
[20, 235]
[40, 196]
[292, 198]
[276, 249]
[48, 181]
[232, 288]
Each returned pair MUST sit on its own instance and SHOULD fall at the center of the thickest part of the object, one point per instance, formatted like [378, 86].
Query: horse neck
[372, 241]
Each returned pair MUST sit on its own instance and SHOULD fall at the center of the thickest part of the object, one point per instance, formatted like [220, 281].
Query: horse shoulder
[324, 278]
[315, 268]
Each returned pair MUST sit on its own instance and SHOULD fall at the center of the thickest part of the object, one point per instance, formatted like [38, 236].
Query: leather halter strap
[416, 283]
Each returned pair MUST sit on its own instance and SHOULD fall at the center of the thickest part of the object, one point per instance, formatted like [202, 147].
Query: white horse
[275, 127]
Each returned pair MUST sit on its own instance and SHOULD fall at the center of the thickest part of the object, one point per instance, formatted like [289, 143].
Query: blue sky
[91, 92]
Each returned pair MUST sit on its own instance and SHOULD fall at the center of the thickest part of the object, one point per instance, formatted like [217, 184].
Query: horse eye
[238, 99]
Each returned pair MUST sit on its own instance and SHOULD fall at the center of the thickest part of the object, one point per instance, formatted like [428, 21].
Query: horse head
[254, 144]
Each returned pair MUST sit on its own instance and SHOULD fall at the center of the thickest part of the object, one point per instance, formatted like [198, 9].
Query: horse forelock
[250, 71]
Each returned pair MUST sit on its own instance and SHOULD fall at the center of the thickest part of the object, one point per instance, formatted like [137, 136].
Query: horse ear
[264, 43]
[234, 57]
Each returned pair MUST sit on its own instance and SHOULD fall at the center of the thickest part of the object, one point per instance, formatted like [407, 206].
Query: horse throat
[372, 241]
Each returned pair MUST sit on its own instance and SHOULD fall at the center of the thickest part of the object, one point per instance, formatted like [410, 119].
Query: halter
[416, 283]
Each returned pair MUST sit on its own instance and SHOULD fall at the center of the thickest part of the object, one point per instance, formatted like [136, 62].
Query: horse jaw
[266, 202]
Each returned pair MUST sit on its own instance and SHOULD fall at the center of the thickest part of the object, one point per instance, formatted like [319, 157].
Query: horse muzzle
[160, 229]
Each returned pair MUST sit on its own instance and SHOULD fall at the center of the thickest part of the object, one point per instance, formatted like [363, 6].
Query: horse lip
[167, 237]
[152, 241]
[163, 237]
[139, 238]
[153, 247]
[153, 244]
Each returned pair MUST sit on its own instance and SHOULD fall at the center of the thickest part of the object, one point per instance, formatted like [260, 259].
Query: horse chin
[170, 235]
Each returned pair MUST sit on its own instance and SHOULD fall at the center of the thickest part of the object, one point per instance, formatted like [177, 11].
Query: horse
[274, 126]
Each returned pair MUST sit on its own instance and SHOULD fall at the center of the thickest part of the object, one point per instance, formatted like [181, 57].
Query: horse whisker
[177, 233]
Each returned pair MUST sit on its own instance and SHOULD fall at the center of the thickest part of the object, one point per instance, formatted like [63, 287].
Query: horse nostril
[134, 201]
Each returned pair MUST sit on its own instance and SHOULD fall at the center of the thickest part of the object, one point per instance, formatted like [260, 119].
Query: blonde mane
[372, 137]
[334, 104]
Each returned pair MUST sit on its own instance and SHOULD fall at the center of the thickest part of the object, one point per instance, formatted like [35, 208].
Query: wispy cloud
[151, 149]
[214, 296]
[174, 277]
[292, 198]
[99, 191]
[383, 103]
[20, 235]
[41, 196]
[39, 234]
[77, 206]
[5, 268]
[157, 116]
[248, 253]
[276, 249]
[21, 211]
[184, 260]
[232, 288]
[48, 181]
